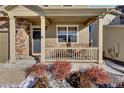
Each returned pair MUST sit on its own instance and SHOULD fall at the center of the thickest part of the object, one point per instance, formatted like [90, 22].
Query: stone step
[20, 63]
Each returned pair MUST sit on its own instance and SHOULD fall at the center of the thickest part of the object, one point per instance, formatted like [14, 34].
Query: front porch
[45, 43]
[54, 44]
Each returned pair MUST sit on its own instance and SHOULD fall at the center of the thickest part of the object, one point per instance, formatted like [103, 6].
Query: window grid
[67, 33]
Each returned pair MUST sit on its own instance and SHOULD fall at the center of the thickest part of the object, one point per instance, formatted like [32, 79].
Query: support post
[42, 39]
[100, 42]
[12, 31]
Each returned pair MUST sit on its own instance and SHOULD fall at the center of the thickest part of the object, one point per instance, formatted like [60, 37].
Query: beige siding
[26, 11]
[108, 19]
[83, 35]
[112, 37]
[3, 41]
[3, 47]
[94, 35]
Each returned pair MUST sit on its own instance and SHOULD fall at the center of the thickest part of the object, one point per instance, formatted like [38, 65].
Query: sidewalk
[14, 73]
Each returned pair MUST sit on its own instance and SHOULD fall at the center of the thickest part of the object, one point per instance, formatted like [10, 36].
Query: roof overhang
[36, 11]
[59, 11]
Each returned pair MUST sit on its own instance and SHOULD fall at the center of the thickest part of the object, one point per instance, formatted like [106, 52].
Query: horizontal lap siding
[83, 35]
[3, 47]
[4, 41]
[112, 37]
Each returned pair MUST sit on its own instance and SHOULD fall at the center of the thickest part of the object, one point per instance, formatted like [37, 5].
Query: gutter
[116, 12]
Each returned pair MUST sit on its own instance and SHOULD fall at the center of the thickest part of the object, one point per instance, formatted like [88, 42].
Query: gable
[22, 10]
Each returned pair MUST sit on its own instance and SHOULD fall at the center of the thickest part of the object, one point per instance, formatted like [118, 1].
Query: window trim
[66, 33]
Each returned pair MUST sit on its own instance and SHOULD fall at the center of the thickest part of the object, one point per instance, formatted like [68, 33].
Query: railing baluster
[74, 54]
[61, 54]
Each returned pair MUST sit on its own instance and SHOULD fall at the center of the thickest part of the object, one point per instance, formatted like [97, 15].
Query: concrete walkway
[14, 73]
[11, 76]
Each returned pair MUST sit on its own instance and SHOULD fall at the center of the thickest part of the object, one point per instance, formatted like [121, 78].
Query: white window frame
[66, 33]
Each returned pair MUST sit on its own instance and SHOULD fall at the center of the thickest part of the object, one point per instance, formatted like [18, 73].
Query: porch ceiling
[61, 19]
[68, 19]
[33, 19]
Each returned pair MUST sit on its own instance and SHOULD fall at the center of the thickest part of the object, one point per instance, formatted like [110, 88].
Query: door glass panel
[36, 41]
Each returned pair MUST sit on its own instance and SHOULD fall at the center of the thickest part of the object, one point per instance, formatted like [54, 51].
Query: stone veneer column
[12, 32]
[42, 39]
[100, 43]
[22, 43]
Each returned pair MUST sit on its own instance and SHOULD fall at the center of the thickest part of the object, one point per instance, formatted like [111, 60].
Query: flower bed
[59, 75]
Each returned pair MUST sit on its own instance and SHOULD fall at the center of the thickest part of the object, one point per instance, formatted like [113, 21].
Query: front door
[36, 40]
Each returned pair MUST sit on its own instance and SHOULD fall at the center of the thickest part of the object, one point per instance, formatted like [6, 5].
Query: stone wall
[22, 38]
[22, 43]
[4, 24]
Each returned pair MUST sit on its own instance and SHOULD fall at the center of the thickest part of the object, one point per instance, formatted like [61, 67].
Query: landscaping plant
[120, 85]
[104, 85]
[98, 75]
[85, 82]
[61, 69]
[41, 82]
[79, 80]
[37, 69]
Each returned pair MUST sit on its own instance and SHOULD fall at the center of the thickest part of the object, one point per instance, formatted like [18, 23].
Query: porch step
[24, 63]
[20, 63]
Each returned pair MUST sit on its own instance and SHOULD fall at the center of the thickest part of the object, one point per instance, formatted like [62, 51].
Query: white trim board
[114, 25]
[67, 25]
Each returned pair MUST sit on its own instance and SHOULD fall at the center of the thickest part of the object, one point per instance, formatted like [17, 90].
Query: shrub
[41, 82]
[79, 80]
[104, 86]
[37, 69]
[120, 85]
[85, 82]
[61, 69]
[97, 75]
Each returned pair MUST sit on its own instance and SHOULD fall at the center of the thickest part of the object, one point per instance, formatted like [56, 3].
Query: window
[67, 33]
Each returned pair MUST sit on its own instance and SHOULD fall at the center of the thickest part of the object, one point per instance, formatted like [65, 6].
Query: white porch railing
[72, 54]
